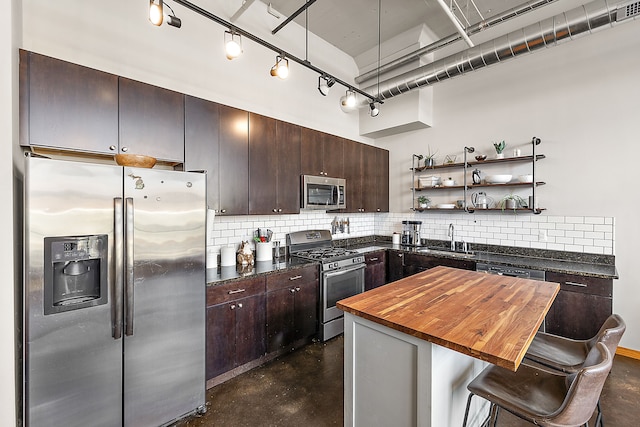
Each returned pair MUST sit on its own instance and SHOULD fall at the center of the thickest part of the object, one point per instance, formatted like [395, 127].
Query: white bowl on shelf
[498, 179]
[448, 183]
[525, 178]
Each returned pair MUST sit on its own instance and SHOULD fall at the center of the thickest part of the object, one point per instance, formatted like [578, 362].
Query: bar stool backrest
[609, 334]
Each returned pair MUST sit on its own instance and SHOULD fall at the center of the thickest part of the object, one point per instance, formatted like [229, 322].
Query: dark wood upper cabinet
[353, 175]
[233, 161]
[151, 121]
[321, 154]
[274, 166]
[202, 143]
[369, 178]
[382, 180]
[67, 106]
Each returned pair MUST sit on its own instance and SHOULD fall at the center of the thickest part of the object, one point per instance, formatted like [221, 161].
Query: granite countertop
[236, 272]
[587, 267]
[591, 265]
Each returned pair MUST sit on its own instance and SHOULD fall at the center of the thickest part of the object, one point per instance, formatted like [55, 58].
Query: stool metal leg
[466, 412]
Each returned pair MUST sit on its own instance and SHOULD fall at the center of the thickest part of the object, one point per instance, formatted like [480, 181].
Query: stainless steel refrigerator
[114, 294]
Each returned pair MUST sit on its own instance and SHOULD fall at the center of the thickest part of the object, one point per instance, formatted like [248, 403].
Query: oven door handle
[342, 271]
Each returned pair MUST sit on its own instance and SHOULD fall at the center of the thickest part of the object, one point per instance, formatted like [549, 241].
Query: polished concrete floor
[304, 388]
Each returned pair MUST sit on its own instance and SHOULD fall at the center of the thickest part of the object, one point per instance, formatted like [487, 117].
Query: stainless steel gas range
[341, 274]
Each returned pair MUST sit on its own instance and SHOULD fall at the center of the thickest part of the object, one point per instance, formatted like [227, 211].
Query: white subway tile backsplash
[571, 233]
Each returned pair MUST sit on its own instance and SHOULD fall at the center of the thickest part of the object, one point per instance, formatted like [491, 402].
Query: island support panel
[391, 378]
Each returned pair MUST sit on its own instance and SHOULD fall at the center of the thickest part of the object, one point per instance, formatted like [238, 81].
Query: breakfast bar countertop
[489, 317]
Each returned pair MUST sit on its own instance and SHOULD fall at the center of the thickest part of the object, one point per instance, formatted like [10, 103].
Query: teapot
[480, 200]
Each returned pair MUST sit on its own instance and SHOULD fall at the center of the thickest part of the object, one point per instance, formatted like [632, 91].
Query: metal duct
[566, 26]
[473, 29]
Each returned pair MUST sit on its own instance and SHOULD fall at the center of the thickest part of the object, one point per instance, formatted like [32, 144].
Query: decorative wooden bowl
[135, 160]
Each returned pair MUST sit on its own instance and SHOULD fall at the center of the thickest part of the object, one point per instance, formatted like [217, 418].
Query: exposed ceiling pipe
[455, 22]
[474, 29]
[566, 26]
[241, 10]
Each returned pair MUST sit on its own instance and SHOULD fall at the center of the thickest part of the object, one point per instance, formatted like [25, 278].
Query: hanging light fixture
[232, 44]
[155, 12]
[350, 99]
[281, 67]
[324, 84]
[374, 110]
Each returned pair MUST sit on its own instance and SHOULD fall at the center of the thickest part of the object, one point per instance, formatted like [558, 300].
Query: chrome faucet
[451, 234]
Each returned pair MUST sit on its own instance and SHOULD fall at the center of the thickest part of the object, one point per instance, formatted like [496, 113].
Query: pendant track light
[156, 12]
[324, 84]
[281, 68]
[374, 110]
[350, 100]
[232, 44]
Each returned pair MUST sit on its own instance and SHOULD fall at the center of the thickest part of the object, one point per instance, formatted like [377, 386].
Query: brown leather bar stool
[568, 355]
[543, 397]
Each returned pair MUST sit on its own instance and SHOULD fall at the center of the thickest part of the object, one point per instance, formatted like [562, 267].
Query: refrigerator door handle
[128, 253]
[118, 255]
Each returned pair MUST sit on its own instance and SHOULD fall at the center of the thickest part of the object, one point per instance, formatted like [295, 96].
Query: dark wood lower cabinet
[395, 265]
[581, 306]
[415, 263]
[292, 307]
[235, 325]
[375, 273]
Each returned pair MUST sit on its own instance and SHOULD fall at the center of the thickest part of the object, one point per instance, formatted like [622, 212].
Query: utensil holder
[264, 251]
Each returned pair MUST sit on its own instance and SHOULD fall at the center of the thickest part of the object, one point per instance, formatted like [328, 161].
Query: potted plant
[430, 159]
[512, 201]
[423, 201]
[499, 146]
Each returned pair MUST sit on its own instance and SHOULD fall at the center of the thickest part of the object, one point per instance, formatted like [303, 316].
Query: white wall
[582, 99]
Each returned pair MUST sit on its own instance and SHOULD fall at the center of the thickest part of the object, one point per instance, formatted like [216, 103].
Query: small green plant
[512, 201]
[430, 159]
[499, 146]
[423, 200]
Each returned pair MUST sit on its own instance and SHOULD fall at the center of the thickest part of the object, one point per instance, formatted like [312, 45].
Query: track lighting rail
[293, 16]
[277, 50]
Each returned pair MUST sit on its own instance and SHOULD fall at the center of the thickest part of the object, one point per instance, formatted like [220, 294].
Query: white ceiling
[352, 25]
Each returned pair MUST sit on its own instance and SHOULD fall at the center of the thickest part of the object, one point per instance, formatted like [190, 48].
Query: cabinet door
[395, 261]
[280, 326]
[353, 175]
[306, 310]
[369, 176]
[375, 273]
[64, 105]
[581, 307]
[221, 339]
[382, 180]
[234, 161]
[250, 329]
[263, 164]
[333, 156]
[311, 152]
[288, 173]
[151, 121]
[201, 144]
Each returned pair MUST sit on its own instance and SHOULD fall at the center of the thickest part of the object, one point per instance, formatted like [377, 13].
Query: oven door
[337, 285]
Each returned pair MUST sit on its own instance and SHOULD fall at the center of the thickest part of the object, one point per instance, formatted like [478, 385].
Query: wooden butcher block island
[393, 371]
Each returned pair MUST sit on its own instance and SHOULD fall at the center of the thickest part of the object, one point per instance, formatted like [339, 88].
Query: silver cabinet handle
[581, 285]
[239, 305]
[112, 147]
[373, 259]
[124, 149]
[297, 289]
[223, 211]
[237, 291]
[279, 210]
[118, 250]
[275, 210]
[295, 278]
[128, 255]
[232, 306]
[293, 291]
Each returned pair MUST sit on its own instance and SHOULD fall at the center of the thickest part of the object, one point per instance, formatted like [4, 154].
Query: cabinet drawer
[582, 284]
[234, 290]
[374, 257]
[299, 275]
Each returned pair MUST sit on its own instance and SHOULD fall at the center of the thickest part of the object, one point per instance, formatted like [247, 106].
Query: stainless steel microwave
[321, 192]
